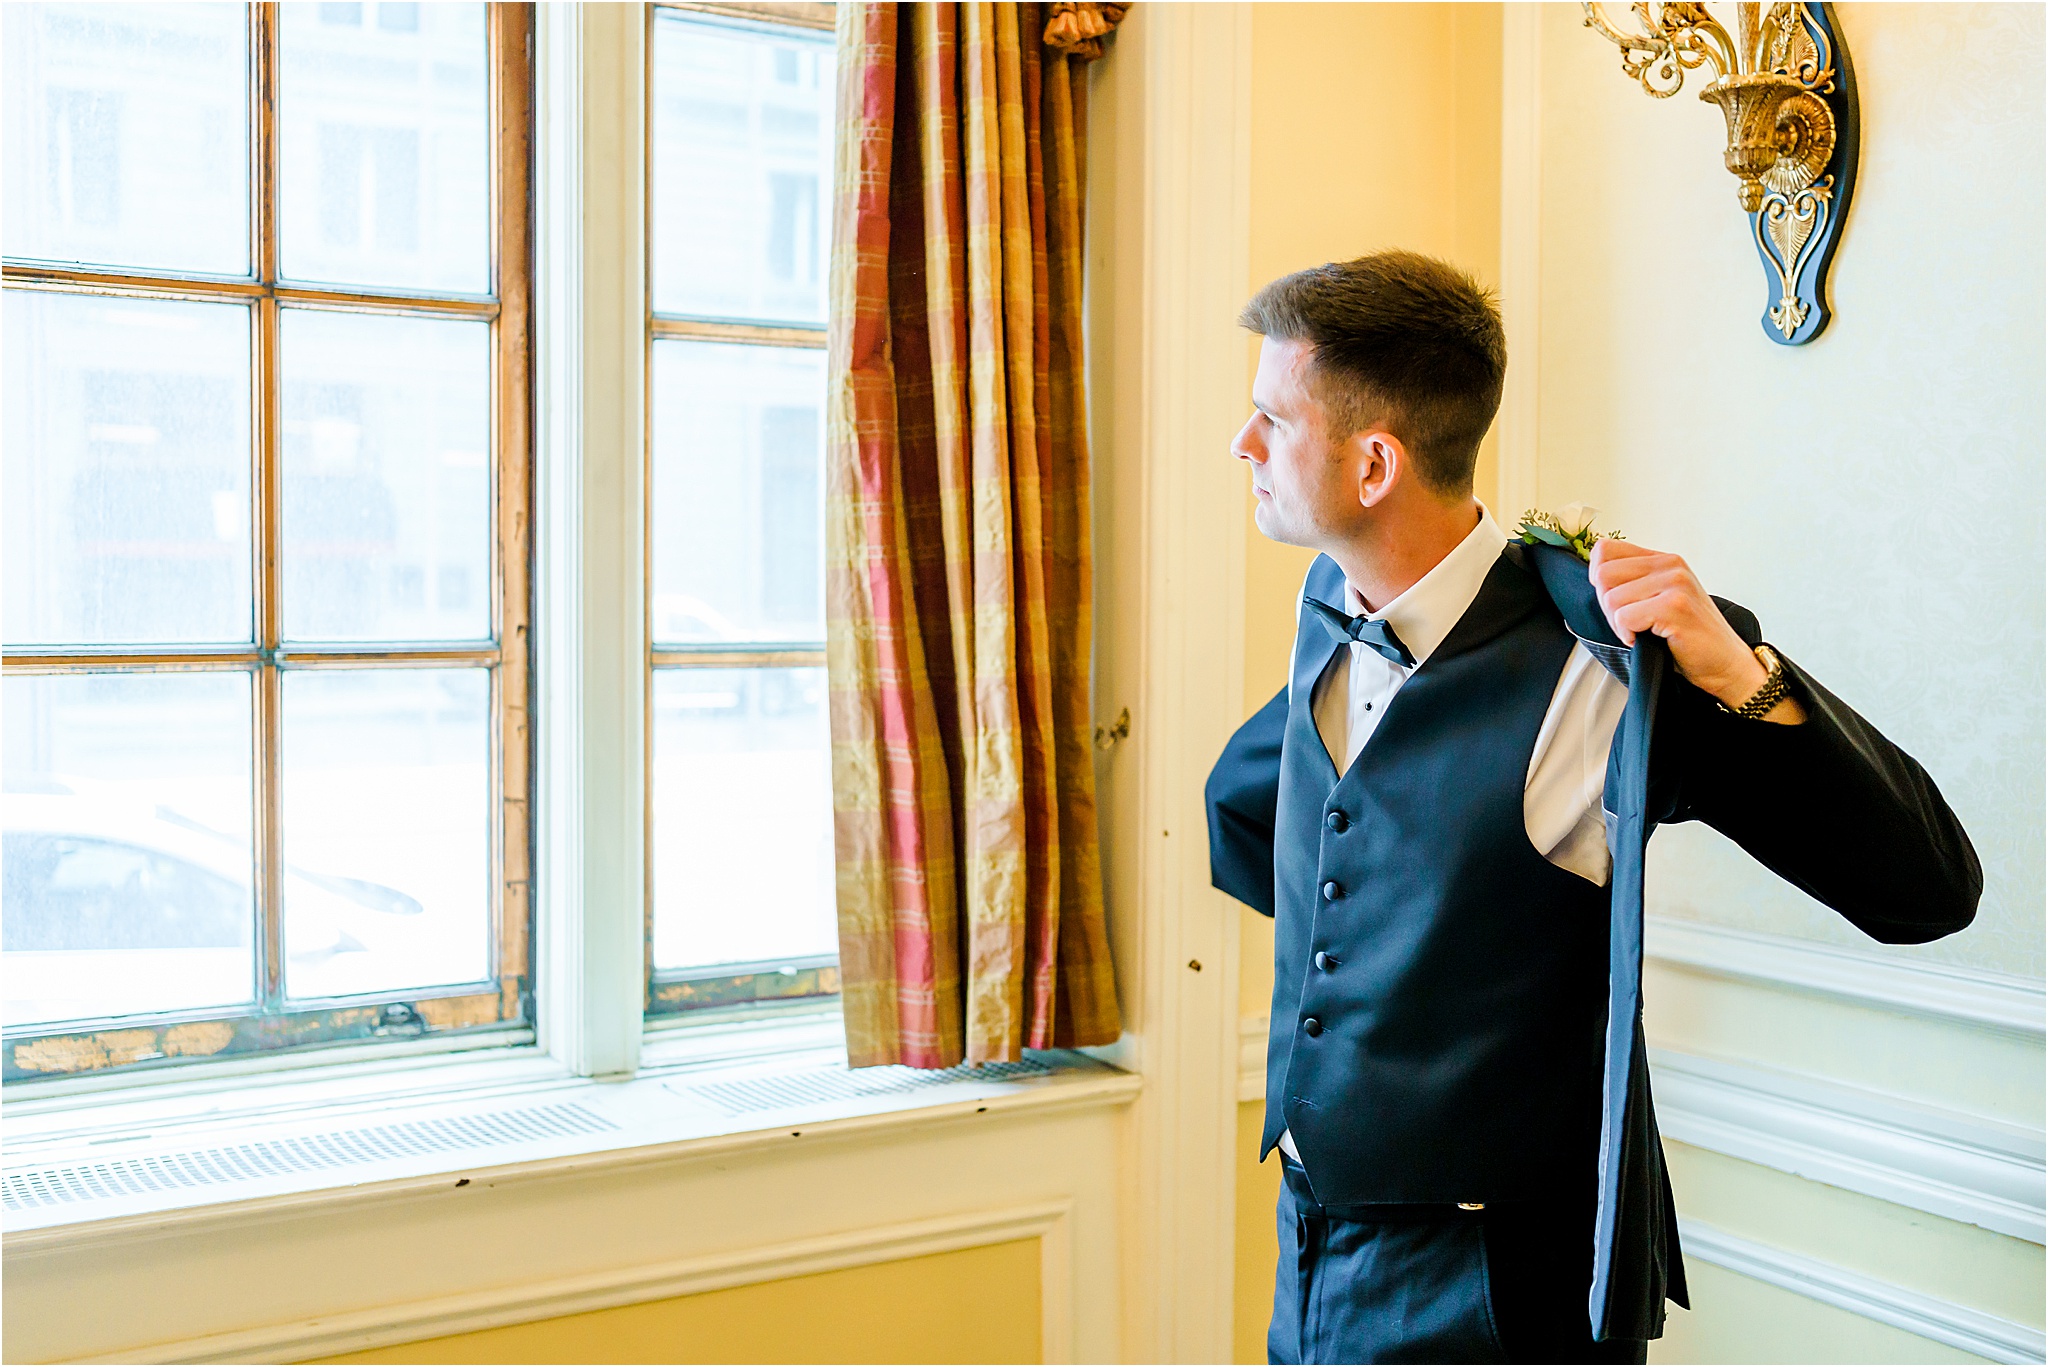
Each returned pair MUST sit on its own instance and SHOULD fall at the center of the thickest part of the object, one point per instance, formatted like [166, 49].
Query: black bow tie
[1367, 631]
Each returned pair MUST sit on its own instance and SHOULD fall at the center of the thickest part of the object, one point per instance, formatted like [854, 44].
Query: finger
[1647, 585]
[1655, 615]
[1670, 614]
[1611, 571]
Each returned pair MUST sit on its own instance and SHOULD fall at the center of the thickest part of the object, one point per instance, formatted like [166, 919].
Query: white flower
[1576, 519]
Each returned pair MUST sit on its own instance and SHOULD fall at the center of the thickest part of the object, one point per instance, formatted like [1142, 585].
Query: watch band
[1769, 695]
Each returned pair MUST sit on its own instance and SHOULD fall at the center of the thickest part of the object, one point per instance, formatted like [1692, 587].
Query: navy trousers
[1434, 1283]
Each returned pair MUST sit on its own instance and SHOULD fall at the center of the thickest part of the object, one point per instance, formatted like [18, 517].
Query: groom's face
[1306, 489]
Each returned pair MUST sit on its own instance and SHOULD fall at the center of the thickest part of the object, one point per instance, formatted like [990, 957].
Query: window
[741, 903]
[266, 472]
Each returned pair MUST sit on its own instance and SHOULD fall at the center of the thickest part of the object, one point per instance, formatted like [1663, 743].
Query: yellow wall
[1258, 1187]
[974, 1305]
[1373, 126]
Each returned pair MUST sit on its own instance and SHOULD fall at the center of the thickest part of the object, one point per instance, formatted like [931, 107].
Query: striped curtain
[958, 628]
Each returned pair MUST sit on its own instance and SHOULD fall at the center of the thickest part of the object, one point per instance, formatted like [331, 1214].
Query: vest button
[1324, 962]
[1333, 890]
[1312, 1027]
[1337, 821]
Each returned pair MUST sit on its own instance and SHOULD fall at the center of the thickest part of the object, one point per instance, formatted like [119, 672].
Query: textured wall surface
[1876, 498]
[1876, 495]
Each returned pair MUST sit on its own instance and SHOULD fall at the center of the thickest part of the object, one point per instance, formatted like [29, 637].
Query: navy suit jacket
[1831, 806]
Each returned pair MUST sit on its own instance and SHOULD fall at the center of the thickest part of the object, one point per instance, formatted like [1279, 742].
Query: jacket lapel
[1564, 577]
[1313, 649]
[1635, 1239]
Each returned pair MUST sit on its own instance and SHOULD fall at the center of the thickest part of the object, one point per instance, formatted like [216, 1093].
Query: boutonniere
[1571, 527]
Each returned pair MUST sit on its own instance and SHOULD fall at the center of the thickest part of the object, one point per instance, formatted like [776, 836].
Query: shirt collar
[1427, 610]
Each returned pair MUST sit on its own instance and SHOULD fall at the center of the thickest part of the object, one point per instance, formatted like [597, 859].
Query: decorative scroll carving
[1788, 98]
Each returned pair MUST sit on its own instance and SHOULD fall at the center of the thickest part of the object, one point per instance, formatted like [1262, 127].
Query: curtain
[958, 620]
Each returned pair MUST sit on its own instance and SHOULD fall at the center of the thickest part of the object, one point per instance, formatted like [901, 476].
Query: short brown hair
[1397, 338]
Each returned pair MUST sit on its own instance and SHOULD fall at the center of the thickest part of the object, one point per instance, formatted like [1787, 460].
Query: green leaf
[1545, 535]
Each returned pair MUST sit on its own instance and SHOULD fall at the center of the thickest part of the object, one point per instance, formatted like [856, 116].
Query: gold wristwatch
[1766, 697]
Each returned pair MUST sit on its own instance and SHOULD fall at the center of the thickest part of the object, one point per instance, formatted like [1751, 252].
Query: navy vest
[1440, 989]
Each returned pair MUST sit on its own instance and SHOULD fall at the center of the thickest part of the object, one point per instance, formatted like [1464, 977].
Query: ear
[1382, 464]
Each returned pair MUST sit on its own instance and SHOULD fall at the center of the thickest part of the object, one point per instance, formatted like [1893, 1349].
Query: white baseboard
[386, 1326]
[1867, 977]
[1973, 1331]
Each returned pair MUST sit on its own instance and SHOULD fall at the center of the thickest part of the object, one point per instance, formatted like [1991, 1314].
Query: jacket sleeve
[1242, 793]
[1830, 805]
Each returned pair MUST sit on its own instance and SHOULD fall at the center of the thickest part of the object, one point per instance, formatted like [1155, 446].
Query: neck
[1386, 558]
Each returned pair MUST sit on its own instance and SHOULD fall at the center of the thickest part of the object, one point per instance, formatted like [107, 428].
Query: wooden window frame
[795, 980]
[499, 1009]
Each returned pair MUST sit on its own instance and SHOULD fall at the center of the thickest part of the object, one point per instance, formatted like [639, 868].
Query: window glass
[743, 862]
[737, 491]
[384, 141]
[127, 863]
[387, 818]
[264, 543]
[387, 477]
[741, 170]
[126, 459]
[127, 134]
[739, 774]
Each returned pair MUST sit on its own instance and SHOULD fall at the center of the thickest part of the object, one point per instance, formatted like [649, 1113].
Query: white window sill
[416, 1128]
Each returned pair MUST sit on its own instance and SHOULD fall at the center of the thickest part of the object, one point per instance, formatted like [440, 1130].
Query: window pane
[387, 478]
[387, 820]
[126, 458]
[743, 861]
[383, 132]
[742, 170]
[127, 862]
[737, 491]
[127, 139]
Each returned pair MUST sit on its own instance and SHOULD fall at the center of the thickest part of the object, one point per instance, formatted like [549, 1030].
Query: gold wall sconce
[1787, 92]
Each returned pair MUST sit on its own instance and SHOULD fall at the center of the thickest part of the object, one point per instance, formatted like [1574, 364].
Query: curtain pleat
[958, 579]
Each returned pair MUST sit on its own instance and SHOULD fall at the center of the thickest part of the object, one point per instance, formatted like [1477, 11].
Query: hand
[1644, 590]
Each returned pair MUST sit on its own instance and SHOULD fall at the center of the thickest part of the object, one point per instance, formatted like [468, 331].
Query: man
[1446, 809]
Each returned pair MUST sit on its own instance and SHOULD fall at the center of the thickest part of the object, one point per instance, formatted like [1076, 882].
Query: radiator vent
[113, 1178]
[747, 1095]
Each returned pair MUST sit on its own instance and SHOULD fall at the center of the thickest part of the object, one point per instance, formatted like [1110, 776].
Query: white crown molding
[386, 1326]
[1999, 1001]
[1960, 1167]
[1973, 1331]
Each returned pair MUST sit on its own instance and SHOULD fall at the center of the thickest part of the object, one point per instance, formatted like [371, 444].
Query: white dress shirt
[1561, 804]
